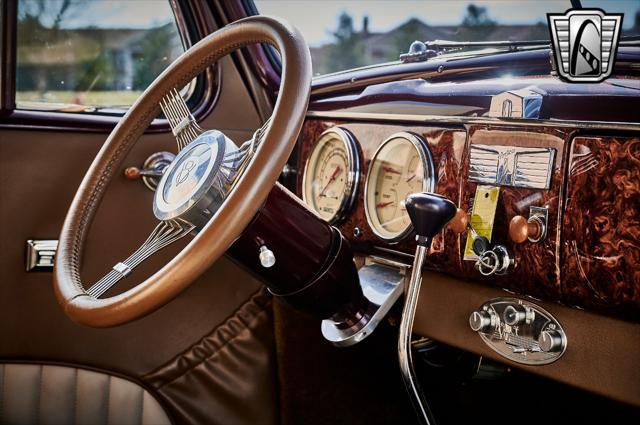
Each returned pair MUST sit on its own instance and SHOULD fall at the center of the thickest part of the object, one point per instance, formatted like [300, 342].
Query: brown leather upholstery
[228, 377]
[241, 204]
[50, 394]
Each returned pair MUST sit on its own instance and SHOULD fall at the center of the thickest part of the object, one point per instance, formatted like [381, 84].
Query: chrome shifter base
[382, 286]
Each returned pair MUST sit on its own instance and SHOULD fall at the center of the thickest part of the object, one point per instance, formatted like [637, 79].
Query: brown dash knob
[460, 221]
[132, 173]
[521, 229]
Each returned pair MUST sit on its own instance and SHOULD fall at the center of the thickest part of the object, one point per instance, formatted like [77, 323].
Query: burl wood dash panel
[537, 267]
[601, 248]
[590, 256]
[537, 270]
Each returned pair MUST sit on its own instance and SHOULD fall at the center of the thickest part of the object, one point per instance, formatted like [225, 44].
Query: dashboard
[531, 190]
[538, 268]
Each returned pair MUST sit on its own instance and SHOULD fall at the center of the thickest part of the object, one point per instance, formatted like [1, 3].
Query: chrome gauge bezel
[353, 173]
[428, 181]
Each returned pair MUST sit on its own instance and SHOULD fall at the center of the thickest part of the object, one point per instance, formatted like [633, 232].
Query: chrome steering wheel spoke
[183, 124]
[164, 234]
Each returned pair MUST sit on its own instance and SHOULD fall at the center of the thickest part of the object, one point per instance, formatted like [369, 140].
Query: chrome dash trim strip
[511, 166]
[443, 119]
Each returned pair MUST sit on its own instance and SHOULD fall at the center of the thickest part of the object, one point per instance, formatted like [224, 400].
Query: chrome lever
[135, 173]
[404, 339]
[428, 213]
[152, 170]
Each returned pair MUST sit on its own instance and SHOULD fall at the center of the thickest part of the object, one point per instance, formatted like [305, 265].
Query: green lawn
[64, 99]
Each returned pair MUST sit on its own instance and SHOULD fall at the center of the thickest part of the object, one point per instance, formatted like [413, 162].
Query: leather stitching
[89, 207]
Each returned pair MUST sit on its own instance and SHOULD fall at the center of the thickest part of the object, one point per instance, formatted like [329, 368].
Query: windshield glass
[348, 34]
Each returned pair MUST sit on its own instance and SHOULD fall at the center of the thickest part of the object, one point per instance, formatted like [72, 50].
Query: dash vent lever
[428, 213]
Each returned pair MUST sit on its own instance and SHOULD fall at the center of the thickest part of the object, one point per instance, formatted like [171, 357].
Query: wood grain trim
[601, 225]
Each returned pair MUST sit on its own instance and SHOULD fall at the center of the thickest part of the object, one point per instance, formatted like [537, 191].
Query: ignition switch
[491, 261]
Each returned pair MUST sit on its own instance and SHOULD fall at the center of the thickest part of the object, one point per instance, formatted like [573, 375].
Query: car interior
[308, 212]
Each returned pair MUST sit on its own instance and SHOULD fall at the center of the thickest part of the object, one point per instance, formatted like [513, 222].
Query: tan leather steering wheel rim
[241, 204]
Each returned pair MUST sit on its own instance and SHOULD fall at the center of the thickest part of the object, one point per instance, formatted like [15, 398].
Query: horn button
[194, 185]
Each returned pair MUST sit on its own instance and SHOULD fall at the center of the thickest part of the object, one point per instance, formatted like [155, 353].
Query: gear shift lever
[428, 213]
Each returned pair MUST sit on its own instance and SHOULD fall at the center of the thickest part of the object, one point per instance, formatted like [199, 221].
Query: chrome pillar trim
[381, 285]
[41, 254]
[404, 339]
[444, 119]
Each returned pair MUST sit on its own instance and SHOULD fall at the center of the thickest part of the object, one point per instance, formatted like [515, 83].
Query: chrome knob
[481, 321]
[551, 341]
[517, 314]
[496, 260]
[267, 257]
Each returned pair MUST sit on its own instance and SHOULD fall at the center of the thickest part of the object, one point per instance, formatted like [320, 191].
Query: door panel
[39, 174]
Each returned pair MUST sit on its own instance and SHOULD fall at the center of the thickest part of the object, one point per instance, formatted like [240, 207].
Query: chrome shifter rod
[429, 213]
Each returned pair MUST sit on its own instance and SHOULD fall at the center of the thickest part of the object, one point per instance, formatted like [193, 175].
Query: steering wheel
[212, 189]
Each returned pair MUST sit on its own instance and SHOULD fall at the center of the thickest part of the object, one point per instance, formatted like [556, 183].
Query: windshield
[348, 34]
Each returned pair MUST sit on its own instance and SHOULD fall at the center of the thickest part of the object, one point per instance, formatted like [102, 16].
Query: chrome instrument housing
[428, 181]
[353, 173]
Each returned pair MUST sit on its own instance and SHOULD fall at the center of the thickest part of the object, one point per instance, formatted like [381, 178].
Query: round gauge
[402, 165]
[331, 175]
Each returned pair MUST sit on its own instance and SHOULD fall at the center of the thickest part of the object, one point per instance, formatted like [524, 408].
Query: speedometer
[331, 175]
[402, 165]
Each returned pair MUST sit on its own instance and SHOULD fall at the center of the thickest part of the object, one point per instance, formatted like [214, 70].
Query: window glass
[345, 34]
[82, 55]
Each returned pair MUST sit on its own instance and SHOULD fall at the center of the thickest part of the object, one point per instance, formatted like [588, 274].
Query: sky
[317, 18]
[112, 13]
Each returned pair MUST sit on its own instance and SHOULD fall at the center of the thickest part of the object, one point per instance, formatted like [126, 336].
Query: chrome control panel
[520, 331]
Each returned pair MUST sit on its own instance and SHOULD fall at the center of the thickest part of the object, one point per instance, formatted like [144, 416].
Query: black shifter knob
[429, 213]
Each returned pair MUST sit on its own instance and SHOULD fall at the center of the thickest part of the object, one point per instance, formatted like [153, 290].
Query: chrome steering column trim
[381, 285]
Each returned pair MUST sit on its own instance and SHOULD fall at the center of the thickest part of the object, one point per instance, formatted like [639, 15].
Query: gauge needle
[332, 178]
[390, 170]
[383, 204]
[410, 178]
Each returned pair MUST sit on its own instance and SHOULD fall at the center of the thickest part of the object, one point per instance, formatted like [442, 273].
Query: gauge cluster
[331, 175]
[401, 165]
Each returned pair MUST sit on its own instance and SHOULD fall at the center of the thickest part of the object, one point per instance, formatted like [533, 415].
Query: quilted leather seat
[47, 394]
